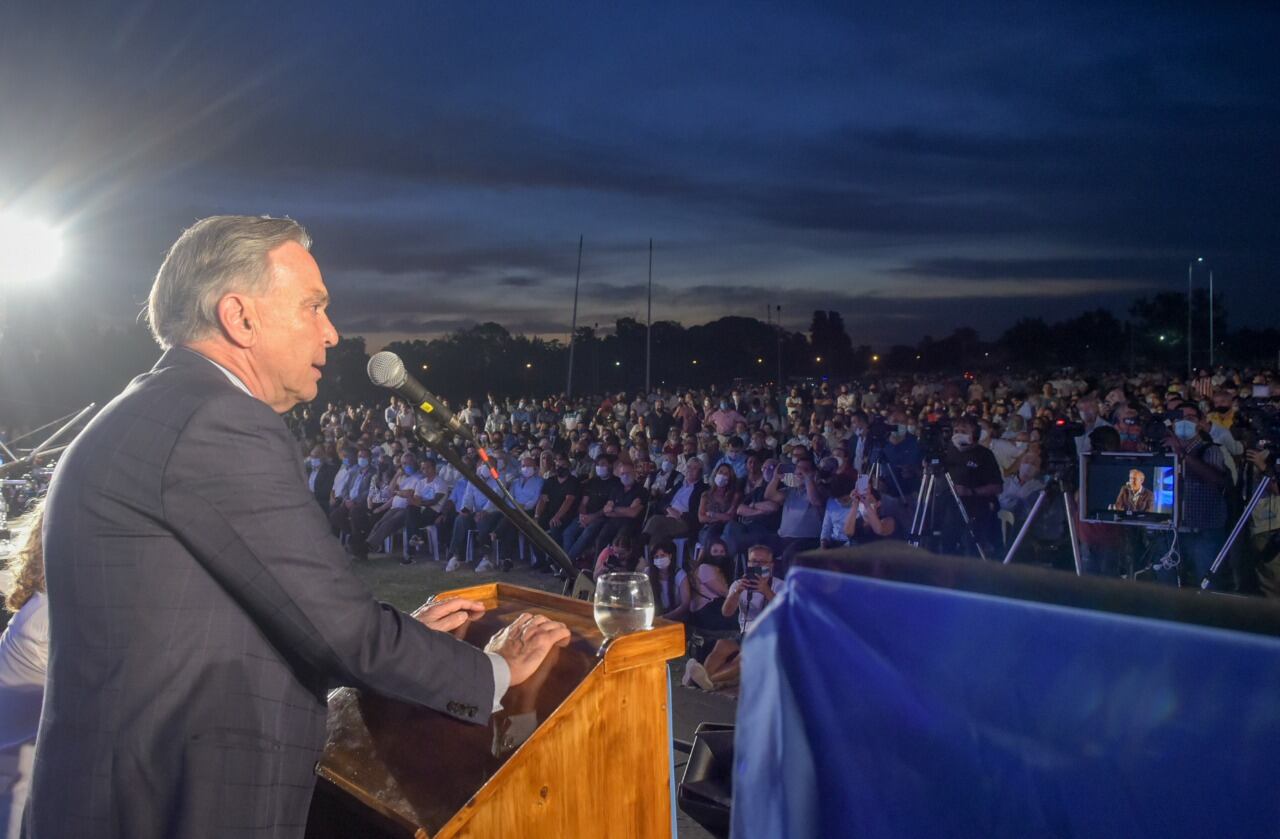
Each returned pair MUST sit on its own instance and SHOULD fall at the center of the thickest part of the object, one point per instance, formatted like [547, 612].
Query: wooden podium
[581, 749]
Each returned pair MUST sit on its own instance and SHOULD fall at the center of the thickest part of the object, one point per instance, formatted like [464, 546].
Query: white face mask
[1020, 445]
[667, 466]
[662, 563]
[962, 441]
[527, 471]
[722, 480]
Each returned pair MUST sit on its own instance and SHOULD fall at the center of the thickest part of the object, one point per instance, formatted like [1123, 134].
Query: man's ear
[238, 317]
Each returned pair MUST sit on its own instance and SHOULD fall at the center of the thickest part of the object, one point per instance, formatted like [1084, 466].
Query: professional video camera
[1261, 419]
[878, 431]
[1060, 456]
[935, 437]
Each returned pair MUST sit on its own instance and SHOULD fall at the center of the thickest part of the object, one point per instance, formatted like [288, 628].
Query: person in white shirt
[406, 486]
[24, 665]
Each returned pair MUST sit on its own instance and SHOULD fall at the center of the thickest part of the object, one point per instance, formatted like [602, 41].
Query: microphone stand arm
[429, 432]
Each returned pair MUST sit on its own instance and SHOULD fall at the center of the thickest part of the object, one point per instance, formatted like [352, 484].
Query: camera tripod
[927, 505]
[1053, 483]
[879, 467]
[1264, 485]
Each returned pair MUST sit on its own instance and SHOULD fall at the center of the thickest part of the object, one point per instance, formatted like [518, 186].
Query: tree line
[51, 368]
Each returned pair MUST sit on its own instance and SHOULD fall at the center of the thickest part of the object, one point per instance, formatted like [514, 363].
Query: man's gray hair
[212, 258]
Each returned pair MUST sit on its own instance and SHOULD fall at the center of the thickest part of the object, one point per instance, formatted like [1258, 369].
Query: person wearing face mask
[756, 518]
[803, 501]
[403, 487]
[680, 507]
[666, 479]
[745, 600]
[1205, 485]
[350, 513]
[718, 504]
[839, 507]
[1010, 446]
[1020, 490]
[596, 492]
[978, 482]
[709, 585]
[322, 469]
[560, 496]
[725, 418]
[669, 582]
[902, 454]
[526, 489]
[736, 458]
[625, 508]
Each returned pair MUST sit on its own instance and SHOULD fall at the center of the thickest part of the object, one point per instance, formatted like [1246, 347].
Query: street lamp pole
[1210, 320]
[1190, 266]
[573, 325]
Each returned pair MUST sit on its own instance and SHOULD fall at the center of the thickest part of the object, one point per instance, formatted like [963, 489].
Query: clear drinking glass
[624, 603]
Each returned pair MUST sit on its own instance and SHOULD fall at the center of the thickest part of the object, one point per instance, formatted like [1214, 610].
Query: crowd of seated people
[689, 485]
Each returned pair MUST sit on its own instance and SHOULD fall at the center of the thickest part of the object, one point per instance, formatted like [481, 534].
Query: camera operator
[903, 455]
[1205, 483]
[978, 482]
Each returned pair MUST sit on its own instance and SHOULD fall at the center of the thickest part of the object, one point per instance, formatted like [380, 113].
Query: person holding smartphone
[747, 598]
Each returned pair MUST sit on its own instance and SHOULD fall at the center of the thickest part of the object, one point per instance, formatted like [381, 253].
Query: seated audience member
[424, 507]
[560, 495]
[670, 584]
[680, 509]
[475, 511]
[868, 520]
[745, 599]
[596, 492]
[625, 508]
[527, 491]
[618, 555]
[350, 496]
[1021, 489]
[709, 585]
[322, 469]
[839, 507]
[802, 501]
[404, 487]
[24, 664]
[756, 520]
[718, 505]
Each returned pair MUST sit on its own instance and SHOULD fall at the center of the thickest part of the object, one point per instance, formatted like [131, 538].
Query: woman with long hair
[24, 664]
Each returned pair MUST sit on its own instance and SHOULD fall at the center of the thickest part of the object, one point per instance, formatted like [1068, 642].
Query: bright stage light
[29, 249]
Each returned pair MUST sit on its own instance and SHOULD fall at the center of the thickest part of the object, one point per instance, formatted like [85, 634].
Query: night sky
[916, 168]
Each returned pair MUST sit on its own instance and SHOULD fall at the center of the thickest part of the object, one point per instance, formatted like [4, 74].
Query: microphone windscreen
[386, 370]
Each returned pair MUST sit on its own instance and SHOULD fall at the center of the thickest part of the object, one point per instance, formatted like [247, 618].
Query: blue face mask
[346, 461]
[1184, 429]
[364, 461]
[408, 470]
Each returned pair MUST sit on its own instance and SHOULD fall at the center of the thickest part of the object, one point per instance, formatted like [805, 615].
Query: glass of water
[624, 603]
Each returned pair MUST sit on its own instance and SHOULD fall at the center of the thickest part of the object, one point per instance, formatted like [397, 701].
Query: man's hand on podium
[525, 643]
[448, 615]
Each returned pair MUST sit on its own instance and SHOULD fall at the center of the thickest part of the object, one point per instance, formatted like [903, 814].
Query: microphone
[387, 370]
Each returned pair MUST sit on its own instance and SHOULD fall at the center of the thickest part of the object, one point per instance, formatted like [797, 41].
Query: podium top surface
[417, 767]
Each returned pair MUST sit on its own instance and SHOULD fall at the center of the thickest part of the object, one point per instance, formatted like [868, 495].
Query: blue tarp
[883, 709]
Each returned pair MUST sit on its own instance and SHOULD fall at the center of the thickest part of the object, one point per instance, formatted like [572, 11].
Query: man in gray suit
[200, 610]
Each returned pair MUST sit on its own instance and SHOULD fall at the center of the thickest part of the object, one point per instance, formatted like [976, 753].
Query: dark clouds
[913, 168]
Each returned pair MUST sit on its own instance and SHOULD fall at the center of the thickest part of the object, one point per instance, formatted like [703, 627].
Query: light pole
[1211, 321]
[1190, 266]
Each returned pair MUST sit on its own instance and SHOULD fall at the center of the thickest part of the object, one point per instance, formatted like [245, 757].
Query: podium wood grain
[580, 749]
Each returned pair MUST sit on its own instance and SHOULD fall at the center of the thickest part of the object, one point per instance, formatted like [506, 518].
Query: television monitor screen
[1128, 488]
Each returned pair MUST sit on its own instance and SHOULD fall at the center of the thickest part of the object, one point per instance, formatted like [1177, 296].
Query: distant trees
[53, 365]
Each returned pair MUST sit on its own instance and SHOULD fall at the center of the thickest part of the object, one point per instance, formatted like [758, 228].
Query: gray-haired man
[200, 609]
